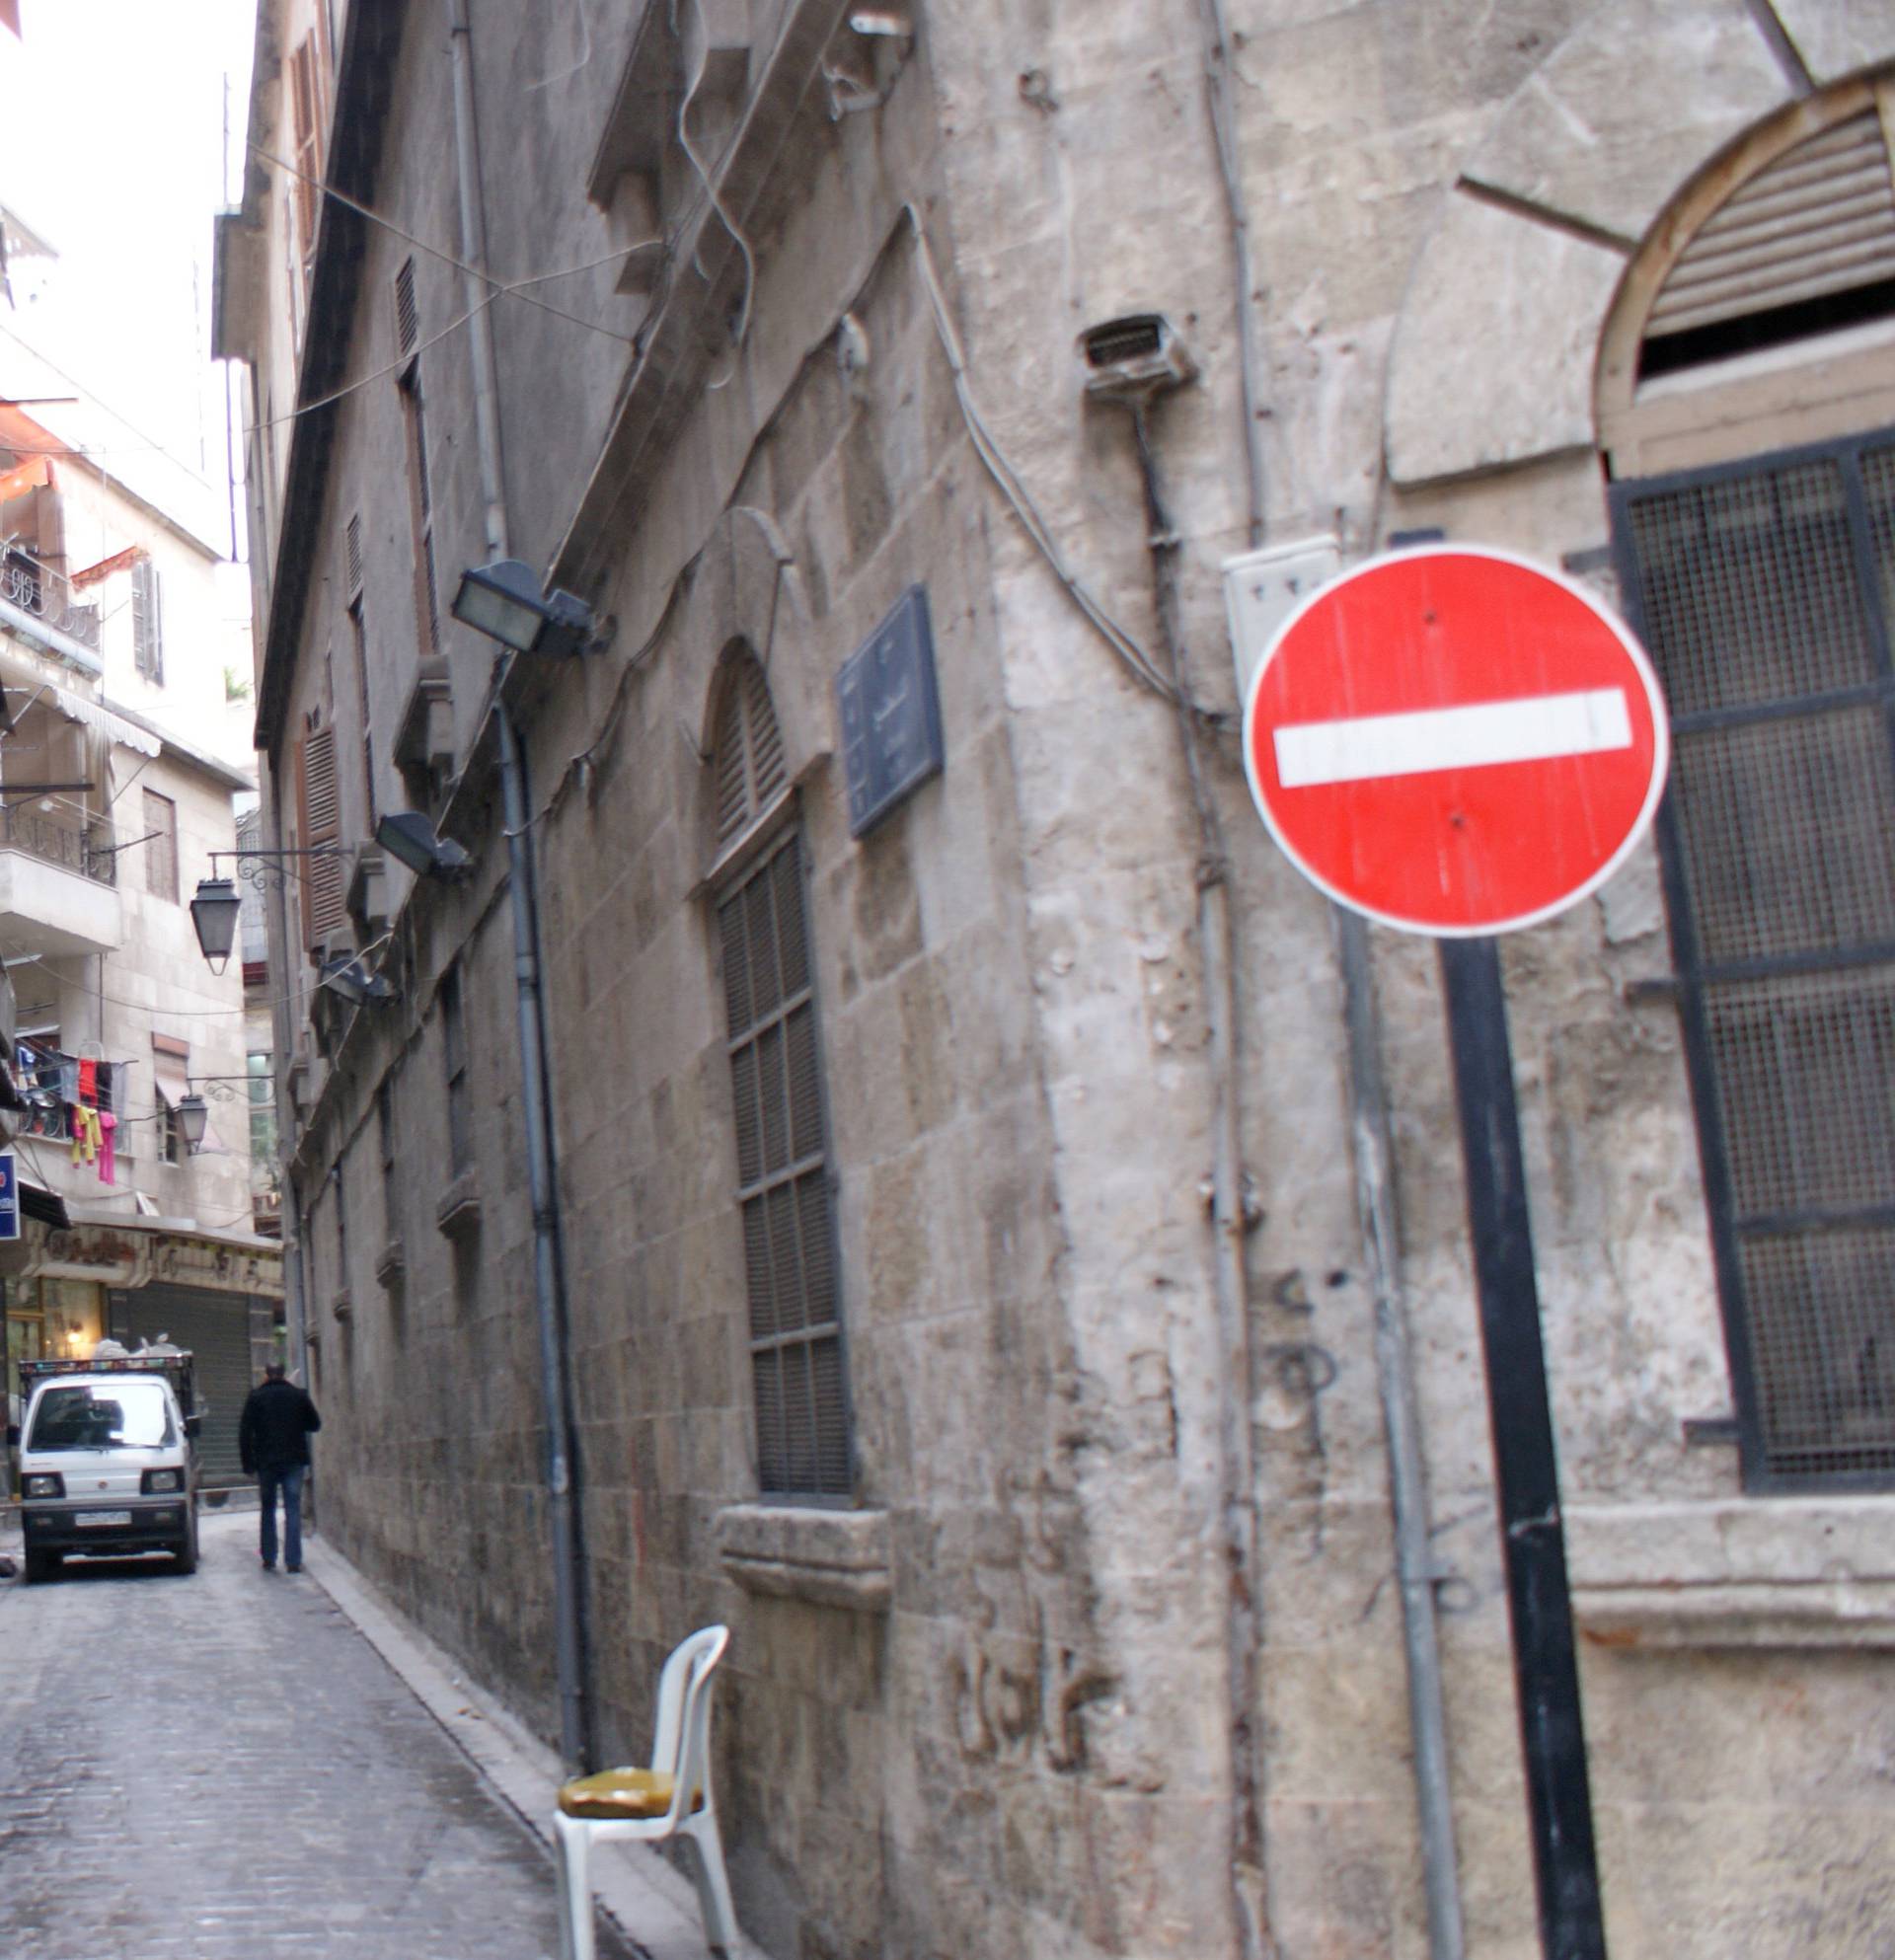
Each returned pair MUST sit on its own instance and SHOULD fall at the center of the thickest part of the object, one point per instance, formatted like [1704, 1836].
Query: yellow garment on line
[86, 1134]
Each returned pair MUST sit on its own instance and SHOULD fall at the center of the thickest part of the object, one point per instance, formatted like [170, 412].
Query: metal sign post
[1533, 1540]
[1456, 742]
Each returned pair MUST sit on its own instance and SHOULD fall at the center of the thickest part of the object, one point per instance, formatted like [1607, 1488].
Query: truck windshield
[103, 1415]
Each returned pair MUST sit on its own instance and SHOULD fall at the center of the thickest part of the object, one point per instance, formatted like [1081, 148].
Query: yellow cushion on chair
[620, 1793]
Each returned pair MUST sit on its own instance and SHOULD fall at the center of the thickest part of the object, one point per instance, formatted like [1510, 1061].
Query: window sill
[459, 1211]
[391, 1265]
[1742, 1573]
[838, 1558]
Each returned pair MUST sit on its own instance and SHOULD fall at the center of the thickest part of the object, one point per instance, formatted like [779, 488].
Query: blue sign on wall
[9, 1196]
[890, 714]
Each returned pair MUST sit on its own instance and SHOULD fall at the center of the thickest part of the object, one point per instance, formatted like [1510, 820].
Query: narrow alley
[224, 1765]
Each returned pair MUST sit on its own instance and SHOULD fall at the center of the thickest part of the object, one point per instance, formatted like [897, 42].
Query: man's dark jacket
[274, 1432]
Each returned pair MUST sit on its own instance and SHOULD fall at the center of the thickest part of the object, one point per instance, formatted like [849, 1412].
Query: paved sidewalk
[640, 1892]
[223, 1767]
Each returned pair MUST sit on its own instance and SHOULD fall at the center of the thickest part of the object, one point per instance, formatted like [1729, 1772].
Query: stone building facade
[999, 1214]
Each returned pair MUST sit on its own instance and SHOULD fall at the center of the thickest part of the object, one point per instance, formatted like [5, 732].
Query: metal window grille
[782, 1180]
[160, 846]
[1764, 591]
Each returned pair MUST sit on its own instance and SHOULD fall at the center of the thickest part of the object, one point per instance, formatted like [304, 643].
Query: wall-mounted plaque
[890, 714]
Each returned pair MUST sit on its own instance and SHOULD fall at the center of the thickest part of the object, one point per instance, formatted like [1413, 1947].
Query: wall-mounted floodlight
[213, 916]
[348, 976]
[410, 839]
[193, 1114]
[504, 601]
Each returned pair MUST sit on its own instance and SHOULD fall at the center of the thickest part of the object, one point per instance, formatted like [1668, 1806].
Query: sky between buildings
[125, 129]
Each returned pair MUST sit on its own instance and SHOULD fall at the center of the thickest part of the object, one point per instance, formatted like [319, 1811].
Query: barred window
[1766, 594]
[783, 1169]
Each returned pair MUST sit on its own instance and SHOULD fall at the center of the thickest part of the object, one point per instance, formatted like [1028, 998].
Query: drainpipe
[1370, 1138]
[291, 1197]
[1373, 1145]
[549, 1272]
[1249, 1881]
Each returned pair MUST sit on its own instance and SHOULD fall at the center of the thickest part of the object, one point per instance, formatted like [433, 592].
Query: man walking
[273, 1439]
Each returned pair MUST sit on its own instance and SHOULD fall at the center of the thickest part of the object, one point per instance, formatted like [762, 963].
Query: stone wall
[985, 1708]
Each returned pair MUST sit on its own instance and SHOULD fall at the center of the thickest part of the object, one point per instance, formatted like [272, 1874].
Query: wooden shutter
[1818, 221]
[147, 635]
[304, 97]
[747, 751]
[321, 823]
[408, 319]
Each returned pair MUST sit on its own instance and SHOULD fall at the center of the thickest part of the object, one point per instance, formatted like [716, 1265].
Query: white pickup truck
[107, 1459]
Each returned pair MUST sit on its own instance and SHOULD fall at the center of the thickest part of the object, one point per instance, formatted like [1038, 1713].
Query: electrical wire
[17, 959]
[994, 459]
[742, 330]
[514, 286]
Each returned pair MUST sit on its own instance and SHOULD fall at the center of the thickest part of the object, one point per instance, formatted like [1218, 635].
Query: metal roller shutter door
[215, 1327]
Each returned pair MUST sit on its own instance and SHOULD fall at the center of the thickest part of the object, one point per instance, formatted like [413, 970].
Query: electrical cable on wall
[1122, 643]
[517, 287]
[741, 331]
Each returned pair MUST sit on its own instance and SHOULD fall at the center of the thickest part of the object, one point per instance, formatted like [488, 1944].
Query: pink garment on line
[108, 1122]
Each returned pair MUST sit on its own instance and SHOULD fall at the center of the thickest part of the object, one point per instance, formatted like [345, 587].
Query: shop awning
[102, 722]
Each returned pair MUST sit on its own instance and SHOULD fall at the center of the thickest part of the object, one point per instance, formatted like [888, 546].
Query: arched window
[798, 1373]
[1763, 582]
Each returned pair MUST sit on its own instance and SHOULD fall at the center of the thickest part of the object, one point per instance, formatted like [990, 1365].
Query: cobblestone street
[222, 1766]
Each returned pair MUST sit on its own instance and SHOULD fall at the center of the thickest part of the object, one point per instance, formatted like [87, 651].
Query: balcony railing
[55, 842]
[39, 589]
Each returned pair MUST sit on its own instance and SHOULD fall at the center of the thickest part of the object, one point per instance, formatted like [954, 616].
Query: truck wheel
[41, 1566]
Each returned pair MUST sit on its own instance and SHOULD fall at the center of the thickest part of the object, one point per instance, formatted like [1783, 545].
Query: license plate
[103, 1518]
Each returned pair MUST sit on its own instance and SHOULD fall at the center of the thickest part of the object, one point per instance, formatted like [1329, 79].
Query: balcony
[46, 596]
[58, 888]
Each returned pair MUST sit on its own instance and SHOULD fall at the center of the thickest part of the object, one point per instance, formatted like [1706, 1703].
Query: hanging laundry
[107, 1125]
[88, 1083]
[85, 1133]
[107, 1085]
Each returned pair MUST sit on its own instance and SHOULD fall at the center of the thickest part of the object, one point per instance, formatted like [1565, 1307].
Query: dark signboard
[890, 714]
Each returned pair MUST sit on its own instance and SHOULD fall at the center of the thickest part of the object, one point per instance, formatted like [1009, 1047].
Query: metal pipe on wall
[1370, 1140]
[548, 1271]
[1249, 1872]
[1374, 1151]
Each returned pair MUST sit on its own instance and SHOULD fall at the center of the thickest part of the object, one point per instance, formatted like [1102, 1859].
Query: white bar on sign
[1536, 729]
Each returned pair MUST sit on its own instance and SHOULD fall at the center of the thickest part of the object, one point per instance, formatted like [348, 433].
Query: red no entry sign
[1455, 741]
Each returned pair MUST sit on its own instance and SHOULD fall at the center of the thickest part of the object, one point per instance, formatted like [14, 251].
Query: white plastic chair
[670, 1799]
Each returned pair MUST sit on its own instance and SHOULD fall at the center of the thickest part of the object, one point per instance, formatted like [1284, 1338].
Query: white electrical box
[1262, 590]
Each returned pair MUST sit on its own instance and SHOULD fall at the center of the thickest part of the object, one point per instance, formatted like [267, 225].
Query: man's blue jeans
[289, 1481]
